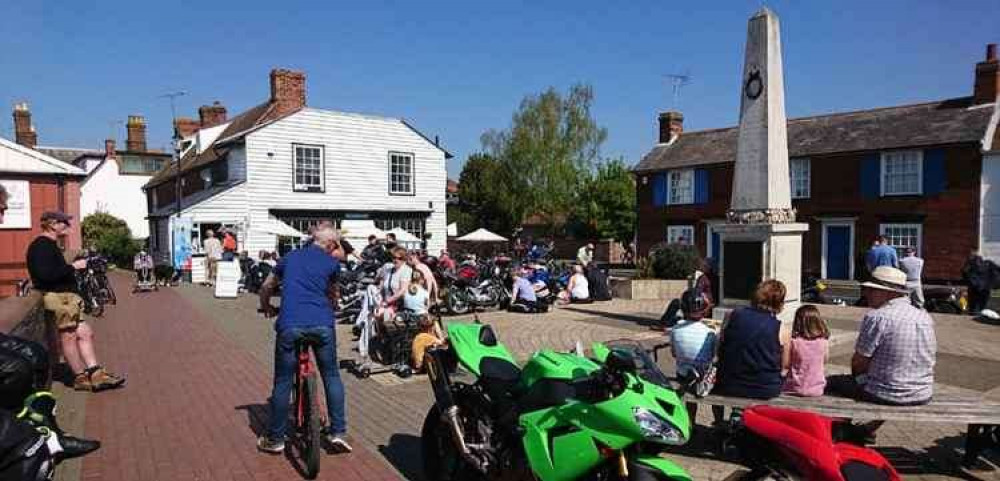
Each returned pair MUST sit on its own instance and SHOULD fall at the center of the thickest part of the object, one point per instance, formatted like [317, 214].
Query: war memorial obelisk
[761, 239]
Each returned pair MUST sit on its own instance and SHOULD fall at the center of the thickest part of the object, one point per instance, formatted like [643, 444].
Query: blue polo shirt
[306, 273]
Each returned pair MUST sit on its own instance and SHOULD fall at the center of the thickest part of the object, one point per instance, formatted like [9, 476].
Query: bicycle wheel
[310, 432]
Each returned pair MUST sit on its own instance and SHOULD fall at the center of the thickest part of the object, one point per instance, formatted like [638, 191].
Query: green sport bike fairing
[561, 417]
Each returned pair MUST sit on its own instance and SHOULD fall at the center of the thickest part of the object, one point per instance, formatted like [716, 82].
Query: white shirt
[416, 302]
[581, 288]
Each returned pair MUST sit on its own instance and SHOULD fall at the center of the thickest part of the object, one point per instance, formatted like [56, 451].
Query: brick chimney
[109, 148]
[671, 126]
[212, 115]
[186, 126]
[987, 77]
[288, 90]
[136, 141]
[24, 132]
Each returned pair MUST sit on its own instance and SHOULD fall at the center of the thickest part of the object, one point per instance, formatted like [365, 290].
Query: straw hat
[888, 278]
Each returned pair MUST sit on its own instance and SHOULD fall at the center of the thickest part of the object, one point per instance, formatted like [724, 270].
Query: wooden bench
[980, 415]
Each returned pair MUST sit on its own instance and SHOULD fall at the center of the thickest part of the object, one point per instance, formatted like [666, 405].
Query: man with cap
[895, 352]
[585, 254]
[56, 279]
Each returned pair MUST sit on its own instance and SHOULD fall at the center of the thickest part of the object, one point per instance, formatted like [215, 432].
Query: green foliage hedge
[111, 237]
[673, 261]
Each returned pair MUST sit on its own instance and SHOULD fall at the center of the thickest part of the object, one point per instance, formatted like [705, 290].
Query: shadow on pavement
[403, 452]
[633, 318]
[257, 422]
[942, 459]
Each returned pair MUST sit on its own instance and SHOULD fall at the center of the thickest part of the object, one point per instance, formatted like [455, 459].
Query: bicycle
[308, 417]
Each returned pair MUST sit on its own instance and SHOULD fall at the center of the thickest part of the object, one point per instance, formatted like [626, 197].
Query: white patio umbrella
[402, 235]
[482, 235]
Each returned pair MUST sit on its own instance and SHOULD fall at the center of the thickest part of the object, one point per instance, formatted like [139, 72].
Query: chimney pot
[109, 148]
[991, 52]
[671, 126]
[24, 131]
[212, 115]
[288, 90]
[136, 134]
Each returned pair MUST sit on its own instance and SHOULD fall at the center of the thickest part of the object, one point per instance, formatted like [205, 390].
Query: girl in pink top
[805, 363]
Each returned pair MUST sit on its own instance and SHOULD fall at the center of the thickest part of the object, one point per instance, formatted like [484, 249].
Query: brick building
[36, 183]
[914, 173]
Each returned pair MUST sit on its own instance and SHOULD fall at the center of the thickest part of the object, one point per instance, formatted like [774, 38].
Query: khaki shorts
[66, 307]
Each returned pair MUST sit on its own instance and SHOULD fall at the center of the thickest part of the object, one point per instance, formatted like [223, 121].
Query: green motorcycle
[561, 417]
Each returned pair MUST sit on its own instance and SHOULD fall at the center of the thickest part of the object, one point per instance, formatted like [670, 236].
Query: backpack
[24, 368]
[598, 283]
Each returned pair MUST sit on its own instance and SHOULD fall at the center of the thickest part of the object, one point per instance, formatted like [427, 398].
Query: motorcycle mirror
[475, 319]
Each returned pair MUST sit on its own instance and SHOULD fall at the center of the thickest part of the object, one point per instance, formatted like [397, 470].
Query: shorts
[66, 307]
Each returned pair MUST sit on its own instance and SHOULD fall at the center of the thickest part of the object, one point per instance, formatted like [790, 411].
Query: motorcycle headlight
[655, 428]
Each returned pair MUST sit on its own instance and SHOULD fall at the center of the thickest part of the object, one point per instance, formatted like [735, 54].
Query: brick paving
[193, 405]
[385, 413]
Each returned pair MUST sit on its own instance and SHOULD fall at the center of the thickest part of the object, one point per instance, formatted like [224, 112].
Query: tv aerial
[677, 82]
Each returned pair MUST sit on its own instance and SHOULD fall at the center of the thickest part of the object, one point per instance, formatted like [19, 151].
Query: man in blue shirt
[881, 254]
[307, 276]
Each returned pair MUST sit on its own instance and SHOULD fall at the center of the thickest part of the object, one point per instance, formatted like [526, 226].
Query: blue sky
[458, 68]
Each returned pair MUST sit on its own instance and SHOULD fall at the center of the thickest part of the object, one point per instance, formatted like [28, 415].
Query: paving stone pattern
[200, 368]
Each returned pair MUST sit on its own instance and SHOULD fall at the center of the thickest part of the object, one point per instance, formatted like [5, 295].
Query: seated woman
[751, 347]
[578, 289]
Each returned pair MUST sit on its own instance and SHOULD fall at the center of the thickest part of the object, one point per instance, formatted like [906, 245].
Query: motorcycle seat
[500, 377]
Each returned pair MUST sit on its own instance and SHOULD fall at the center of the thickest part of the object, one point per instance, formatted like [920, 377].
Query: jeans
[285, 365]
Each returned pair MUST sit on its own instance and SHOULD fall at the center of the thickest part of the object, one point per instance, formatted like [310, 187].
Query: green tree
[606, 205]
[484, 200]
[552, 144]
[110, 236]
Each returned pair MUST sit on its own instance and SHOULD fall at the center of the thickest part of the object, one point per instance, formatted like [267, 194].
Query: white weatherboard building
[280, 167]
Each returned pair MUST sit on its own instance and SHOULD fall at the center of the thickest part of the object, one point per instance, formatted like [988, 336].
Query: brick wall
[950, 219]
[45, 195]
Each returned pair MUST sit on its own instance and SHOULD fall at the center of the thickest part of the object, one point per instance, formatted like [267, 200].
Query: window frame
[322, 168]
[670, 191]
[413, 172]
[883, 161]
[687, 232]
[808, 177]
[884, 227]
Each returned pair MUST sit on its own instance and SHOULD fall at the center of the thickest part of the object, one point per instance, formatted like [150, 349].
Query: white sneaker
[337, 444]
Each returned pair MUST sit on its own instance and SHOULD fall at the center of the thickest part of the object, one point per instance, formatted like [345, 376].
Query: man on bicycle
[307, 277]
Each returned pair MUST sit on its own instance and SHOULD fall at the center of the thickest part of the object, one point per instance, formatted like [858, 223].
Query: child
[427, 338]
[416, 299]
[809, 348]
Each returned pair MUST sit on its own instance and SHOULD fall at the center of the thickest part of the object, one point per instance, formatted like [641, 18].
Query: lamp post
[177, 145]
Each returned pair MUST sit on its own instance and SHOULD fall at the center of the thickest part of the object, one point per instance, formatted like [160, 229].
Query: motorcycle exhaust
[437, 370]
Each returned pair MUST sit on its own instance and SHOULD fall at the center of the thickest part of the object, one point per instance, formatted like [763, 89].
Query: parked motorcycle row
[943, 299]
[611, 416]
[474, 284]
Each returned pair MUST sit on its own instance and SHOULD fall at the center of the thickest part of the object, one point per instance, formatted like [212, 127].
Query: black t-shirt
[49, 270]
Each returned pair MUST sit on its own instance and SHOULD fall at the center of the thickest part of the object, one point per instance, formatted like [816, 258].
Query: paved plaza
[199, 373]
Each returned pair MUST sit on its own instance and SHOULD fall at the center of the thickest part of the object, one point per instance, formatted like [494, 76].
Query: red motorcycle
[786, 444]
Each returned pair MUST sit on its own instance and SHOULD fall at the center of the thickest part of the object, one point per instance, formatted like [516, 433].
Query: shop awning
[481, 235]
[279, 228]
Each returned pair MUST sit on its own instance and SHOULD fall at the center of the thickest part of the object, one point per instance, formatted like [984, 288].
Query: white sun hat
[888, 278]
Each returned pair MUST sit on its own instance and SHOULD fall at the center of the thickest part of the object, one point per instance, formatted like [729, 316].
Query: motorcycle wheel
[441, 458]
[457, 304]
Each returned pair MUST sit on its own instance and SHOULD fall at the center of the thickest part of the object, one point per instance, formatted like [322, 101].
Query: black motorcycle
[485, 290]
[945, 299]
[352, 284]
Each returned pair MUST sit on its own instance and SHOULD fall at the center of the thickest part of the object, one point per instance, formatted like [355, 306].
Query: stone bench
[980, 415]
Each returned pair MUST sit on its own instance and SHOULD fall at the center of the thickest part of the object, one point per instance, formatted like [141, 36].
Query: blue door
[716, 241]
[838, 251]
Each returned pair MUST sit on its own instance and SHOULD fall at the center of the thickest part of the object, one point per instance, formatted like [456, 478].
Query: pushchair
[391, 348]
[144, 278]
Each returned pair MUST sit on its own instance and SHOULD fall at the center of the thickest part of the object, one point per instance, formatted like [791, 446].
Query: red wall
[950, 219]
[45, 194]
